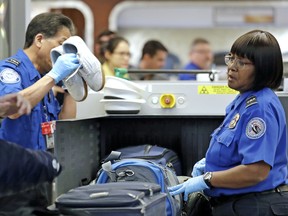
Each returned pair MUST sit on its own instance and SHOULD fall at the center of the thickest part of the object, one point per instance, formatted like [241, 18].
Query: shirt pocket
[228, 153]
[226, 138]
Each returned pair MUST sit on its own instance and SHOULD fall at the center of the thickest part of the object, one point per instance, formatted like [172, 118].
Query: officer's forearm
[241, 176]
[35, 93]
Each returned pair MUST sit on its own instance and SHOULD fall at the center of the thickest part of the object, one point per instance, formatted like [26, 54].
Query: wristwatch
[207, 179]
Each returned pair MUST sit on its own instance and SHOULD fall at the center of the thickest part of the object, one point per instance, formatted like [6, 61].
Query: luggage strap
[107, 167]
[114, 155]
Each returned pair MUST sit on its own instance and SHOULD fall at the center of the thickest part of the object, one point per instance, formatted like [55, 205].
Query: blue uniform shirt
[17, 73]
[254, 129]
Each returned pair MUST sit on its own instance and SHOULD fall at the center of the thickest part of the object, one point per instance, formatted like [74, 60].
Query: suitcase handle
[98, 195]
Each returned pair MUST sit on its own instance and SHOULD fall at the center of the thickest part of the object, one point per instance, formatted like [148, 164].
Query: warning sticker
[211, 89]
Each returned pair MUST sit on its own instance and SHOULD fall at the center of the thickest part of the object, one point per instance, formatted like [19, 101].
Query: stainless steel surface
[19, 17]
[191, 98]
[167, 71]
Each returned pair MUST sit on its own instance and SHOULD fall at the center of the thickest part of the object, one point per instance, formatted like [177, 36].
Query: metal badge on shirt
[10, 76]
[234, 121]
[255, 128]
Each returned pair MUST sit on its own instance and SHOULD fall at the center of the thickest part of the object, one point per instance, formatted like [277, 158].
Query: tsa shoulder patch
[255, 128]
[9, 76]
[250, 101]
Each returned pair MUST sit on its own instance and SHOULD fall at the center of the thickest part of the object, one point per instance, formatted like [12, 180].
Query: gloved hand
[64, 66]
[198, 168]
[190, 186]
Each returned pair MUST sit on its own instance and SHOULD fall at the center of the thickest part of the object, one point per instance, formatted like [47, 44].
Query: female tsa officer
[245, 171]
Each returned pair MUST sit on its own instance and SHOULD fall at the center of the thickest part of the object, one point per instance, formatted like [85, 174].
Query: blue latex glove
[190, 186]
[64, 66]
[199, 168]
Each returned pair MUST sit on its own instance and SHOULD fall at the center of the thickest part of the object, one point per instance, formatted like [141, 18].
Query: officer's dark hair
[263, 50]
[48, 24]
[151, 47]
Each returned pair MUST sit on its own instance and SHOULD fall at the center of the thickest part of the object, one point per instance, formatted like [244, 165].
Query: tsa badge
[255, 128]
[48, 129]
[234, 121]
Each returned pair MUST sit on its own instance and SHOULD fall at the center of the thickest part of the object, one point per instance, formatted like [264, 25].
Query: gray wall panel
[77, 148]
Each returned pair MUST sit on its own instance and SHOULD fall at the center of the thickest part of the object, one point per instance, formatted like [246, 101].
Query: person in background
[29, 72]
[101, 42]
[154, 55]
[200, 57]
[117, 55]
[172, 61]
[245, 168]
[22, 169]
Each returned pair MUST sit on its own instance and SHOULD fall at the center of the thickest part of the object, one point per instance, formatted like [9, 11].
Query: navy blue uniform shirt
[254, 129]
[17, 73]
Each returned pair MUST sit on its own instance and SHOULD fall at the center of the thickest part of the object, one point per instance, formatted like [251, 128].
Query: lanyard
[45, 106]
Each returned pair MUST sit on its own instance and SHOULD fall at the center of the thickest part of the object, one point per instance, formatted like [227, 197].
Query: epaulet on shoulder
[251, 101]
[13, 61]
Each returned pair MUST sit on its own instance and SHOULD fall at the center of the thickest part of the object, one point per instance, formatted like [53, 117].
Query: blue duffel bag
[134, 169]
[158, 154]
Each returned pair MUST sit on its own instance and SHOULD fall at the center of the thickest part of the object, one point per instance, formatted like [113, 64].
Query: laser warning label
[211, 89]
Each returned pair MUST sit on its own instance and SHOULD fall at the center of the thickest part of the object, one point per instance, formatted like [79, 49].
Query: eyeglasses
[239, 63]
[122, 54]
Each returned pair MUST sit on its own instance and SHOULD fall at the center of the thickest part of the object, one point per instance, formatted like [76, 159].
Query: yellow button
[167, 101]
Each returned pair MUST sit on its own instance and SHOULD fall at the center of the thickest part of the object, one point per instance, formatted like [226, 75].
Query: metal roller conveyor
[174, 71]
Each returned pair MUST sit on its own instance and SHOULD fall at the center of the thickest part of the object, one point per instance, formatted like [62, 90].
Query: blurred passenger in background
[117, 55]
[200, 56]
[172, 61]
[101, 42]
[154, 55]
